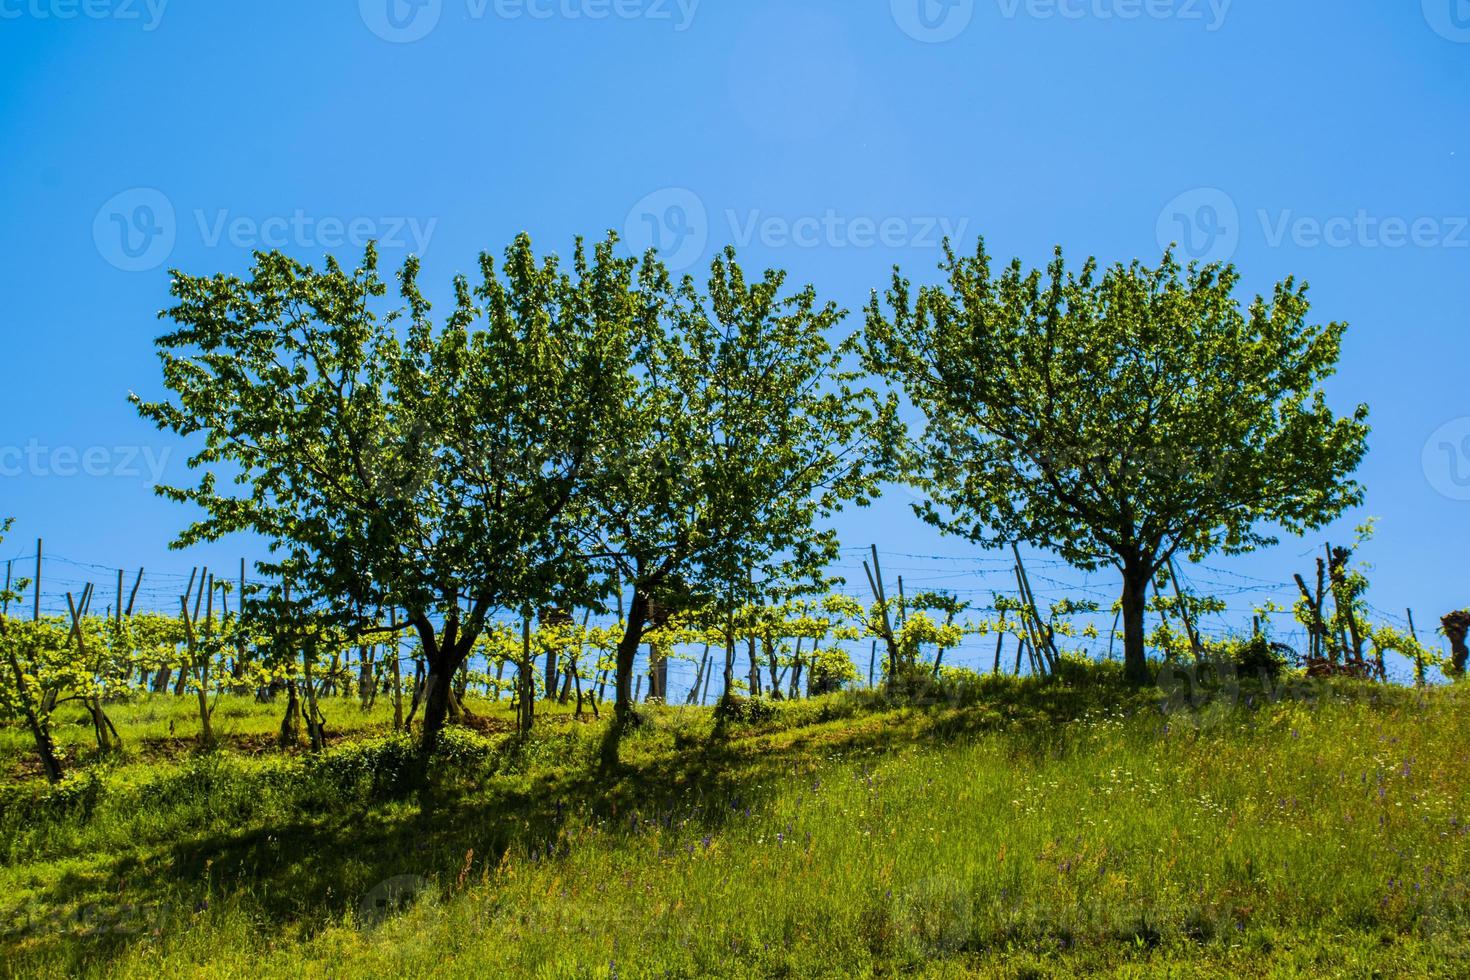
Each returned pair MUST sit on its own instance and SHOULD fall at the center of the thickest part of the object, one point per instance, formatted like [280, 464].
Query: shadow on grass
[322, 858]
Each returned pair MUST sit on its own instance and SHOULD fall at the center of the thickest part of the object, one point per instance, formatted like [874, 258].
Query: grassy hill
[1009, 827]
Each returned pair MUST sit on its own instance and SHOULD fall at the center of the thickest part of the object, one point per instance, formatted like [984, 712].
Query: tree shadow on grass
[313, 869]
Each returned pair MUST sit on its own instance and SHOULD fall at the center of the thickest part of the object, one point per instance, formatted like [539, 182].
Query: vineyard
[557, 659]
[102, 663]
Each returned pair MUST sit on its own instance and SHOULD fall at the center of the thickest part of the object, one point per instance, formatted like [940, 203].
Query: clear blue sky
[1322, 138]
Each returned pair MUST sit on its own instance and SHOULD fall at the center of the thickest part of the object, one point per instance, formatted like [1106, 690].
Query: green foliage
[741, 430]
[1117, 416]
[750, 710]
[390, 462]
[1253, 657]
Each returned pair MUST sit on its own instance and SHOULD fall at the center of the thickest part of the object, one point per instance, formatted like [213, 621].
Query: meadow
[1012, 827]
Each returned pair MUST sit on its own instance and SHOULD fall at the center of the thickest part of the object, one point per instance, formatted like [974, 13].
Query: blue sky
[1323, 139]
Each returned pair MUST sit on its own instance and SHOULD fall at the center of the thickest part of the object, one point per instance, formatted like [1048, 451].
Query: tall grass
[1321, 837]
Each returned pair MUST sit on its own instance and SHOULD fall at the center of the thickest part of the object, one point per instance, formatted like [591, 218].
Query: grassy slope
[1028, 830]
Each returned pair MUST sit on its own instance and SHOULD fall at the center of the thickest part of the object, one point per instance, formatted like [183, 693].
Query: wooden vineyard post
[1028, 620]
[1418, 653]
[1000, 639]
[875, 582]
[1045, 645]
[1194, 643]
[204, 579]
[699, 676]
[133, 595]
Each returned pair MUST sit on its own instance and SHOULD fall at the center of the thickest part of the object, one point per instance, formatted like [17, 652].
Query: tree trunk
[315, 720]
[397, 689]
[40, 727]
[658, 673]
[436, 706]
[291, 723]
[627, 652]
[1135, 599]
[45, 746]
[552, 673]
[1456, 628]
[527, 678]
[796, 667]
[729, 664]
[366, 678]
[461, 688]
[771, 644]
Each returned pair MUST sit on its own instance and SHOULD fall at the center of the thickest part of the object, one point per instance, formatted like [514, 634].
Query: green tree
[1117, 417]
[394, 464]
[741, 431]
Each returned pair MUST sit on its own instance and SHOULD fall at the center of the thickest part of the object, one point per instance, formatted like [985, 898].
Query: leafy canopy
[394, 462]
[1120, 415]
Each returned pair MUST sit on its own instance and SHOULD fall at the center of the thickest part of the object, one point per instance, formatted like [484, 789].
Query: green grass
[1017, 829]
